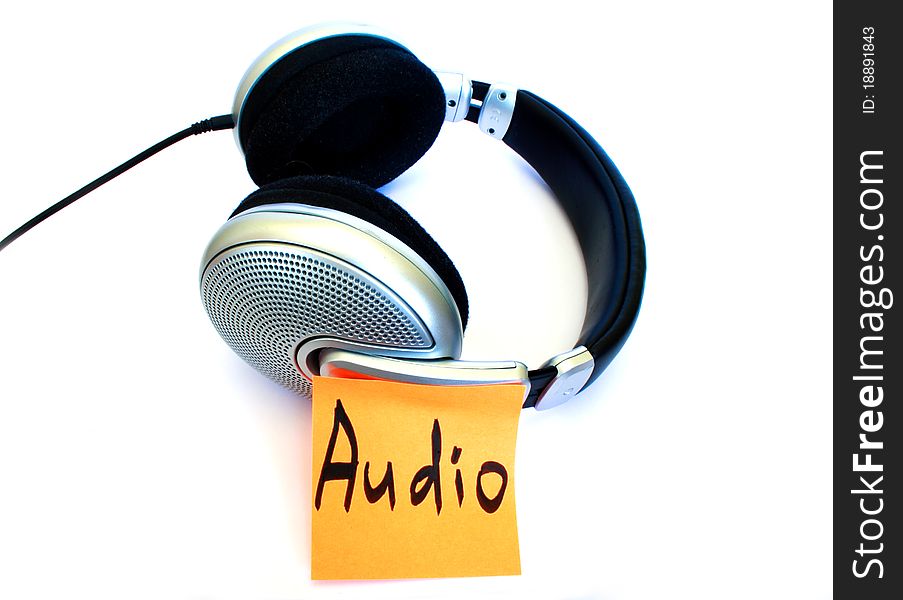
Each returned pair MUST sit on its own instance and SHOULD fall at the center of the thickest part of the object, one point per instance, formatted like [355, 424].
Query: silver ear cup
[282, 282]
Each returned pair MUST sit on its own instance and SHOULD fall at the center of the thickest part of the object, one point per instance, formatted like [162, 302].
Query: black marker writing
[334, 471]
[429, 474]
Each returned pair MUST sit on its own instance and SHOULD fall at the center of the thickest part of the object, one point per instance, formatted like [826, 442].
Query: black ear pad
[364, 202]
[355, 106]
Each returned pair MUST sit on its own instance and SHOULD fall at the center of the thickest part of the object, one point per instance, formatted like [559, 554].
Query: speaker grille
[265, 299]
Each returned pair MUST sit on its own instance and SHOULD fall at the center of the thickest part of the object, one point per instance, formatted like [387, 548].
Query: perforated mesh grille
[264, 299]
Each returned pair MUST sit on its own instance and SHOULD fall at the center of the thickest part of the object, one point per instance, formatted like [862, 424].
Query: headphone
[318, 273]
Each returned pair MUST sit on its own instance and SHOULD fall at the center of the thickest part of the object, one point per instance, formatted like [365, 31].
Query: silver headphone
[299, 290]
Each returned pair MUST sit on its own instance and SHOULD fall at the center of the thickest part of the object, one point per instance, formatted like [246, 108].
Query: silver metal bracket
[458, 94]
[497, 110]
[574, 370]
[345, 363]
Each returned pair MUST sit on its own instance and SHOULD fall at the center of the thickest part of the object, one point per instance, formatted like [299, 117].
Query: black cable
[212, 124]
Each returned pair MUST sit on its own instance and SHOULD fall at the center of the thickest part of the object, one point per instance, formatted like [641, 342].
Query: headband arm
[603, 212]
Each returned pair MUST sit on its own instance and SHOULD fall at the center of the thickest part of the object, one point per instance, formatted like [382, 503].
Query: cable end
[213, 124]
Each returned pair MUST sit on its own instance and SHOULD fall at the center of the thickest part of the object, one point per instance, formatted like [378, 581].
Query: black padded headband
[603, 212]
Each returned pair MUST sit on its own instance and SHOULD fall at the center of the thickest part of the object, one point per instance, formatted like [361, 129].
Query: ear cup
[355, 106]
[364, 202]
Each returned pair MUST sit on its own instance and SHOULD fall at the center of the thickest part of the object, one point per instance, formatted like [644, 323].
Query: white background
[140, 458]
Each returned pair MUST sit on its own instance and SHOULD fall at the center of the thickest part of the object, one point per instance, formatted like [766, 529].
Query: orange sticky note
[445, 506]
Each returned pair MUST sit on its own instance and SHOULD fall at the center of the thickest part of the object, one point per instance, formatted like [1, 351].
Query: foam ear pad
[364, 202]
[354, 106]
